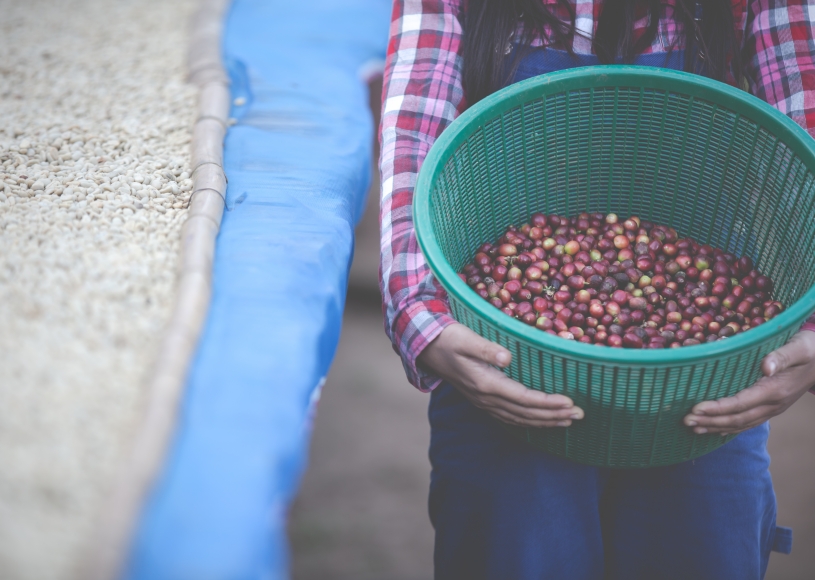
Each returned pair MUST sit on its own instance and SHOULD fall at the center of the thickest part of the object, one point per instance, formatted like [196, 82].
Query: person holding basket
[502, 509]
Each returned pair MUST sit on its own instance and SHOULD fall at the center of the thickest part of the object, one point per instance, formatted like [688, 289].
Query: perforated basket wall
[713, 162]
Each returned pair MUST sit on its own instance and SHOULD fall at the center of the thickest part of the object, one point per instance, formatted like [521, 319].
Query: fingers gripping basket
[714, 162]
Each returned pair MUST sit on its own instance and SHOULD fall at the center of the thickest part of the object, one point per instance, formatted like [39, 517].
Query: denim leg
[503, 510]
[712, 518]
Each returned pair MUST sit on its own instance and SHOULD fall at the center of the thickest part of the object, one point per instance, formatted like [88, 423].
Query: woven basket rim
[604, 76]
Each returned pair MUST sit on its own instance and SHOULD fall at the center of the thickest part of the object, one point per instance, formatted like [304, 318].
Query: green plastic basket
[712, 161]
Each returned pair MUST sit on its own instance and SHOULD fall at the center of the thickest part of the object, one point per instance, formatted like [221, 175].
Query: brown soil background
[361, 513]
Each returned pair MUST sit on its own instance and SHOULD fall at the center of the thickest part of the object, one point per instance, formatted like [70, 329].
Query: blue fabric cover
[298, 163]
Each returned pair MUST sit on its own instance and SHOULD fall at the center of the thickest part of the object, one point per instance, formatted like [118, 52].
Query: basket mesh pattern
[665, 156]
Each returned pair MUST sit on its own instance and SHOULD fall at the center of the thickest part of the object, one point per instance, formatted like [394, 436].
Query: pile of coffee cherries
[622, 283]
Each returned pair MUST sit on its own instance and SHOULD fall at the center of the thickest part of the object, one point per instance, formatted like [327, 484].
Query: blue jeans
[503, 510]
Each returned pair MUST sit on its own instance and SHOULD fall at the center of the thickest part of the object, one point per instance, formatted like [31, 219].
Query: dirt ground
[361, 513]
[362, 509]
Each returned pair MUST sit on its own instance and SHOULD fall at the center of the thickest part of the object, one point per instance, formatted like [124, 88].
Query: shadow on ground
[362, 509]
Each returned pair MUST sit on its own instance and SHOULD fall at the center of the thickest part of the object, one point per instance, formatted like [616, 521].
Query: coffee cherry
[582, 296]
[764, 284]
[535, 287]
[614, 341]
[632, 341]
[571, 247]
[575, 282]
[513, 287]
[621, 242]
[507, 250]
[744, 265]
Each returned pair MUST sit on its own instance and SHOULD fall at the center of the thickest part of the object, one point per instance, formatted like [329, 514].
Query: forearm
[421, 95]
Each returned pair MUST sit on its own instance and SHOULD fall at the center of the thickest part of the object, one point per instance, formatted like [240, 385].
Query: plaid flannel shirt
[423, 94]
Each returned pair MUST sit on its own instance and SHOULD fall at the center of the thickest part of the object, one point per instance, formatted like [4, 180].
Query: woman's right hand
[463, 358]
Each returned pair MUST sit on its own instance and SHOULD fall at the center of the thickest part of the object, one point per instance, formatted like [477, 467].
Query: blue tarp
[298, 163]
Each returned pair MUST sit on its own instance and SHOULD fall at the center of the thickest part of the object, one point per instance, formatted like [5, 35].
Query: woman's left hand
[789, 372]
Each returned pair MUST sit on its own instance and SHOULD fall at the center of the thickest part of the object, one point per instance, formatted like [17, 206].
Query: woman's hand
[463, 358]
[789, 372]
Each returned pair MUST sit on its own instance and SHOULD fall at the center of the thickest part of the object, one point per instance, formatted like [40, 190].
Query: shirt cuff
[414, 328]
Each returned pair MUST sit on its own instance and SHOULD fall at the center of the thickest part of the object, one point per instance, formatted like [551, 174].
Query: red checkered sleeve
[422, 94]
[779, 46]
[780, 56]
